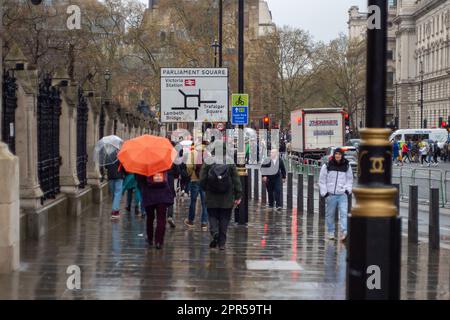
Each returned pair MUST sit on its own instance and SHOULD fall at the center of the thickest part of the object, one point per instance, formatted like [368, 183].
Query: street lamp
[216, 47]
[396, 113]
[421, 94]
[107, 76]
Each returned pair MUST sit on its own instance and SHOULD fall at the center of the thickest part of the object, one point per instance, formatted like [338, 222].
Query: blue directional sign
[239, 108]
[239, 116]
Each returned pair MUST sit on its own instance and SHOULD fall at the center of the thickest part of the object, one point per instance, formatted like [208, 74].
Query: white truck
[315, 130]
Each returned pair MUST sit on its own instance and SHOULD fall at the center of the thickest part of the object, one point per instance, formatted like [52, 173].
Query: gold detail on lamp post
[375, 202]
[377, 137]
[377, 165]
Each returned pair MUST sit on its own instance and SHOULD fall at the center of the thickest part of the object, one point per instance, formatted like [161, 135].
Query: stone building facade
[423, 54]
[357, 27]
[419, 42]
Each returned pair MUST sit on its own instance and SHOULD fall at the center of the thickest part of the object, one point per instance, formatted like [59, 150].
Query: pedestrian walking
[436, 153]
[335, 184]
[116, 174]
[405, 153]
[172, 175]
[131, 188]
[424, 153]
[446, 151]
[223, 190]
[395, 152]
[156, 197]
[273, 175]
[194, 166]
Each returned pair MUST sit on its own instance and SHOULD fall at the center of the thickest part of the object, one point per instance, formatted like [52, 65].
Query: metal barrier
[404, 176]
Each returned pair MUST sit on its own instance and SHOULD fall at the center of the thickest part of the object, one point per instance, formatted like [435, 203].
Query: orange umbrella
[147, 155]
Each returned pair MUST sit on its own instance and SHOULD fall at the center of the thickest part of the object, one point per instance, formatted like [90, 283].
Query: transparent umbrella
[106, 150]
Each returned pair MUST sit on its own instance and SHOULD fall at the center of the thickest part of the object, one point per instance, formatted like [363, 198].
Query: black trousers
[274, 190]
[219, 219]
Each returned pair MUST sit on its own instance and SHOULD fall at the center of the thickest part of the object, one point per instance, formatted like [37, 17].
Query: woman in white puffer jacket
[335, 184]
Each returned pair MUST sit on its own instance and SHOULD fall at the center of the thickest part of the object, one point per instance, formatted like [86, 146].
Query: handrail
[434, 176]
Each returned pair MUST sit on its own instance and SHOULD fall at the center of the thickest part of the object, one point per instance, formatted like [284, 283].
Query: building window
[390, 79]
[389, 55]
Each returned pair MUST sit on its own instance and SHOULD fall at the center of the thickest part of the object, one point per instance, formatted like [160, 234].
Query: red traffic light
[266, 120]
[346, 116]
[443, 124]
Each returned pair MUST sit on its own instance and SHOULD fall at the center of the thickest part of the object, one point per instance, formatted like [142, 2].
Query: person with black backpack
[223, 192]
[157, 196]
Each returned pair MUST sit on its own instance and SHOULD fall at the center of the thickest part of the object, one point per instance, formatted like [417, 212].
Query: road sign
[194, 95]
[239, 109]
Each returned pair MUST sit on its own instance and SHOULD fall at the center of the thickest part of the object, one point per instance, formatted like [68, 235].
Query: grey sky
[324, 19]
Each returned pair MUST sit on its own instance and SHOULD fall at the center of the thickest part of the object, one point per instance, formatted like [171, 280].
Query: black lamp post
[216, 47]
[421, 95]
[220, 33]
[373, 268]
[107, 76]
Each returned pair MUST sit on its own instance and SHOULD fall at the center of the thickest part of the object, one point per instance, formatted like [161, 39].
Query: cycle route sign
[194, 95]
[239, 109]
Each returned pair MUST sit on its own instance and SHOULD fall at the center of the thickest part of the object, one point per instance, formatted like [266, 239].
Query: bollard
[289, 201]
[413, 211]
[281, 193]
[322, 201]
[433, 228]
[263, 193]
[249, 184]
[299, 193]
[256, 184]
[310, 200]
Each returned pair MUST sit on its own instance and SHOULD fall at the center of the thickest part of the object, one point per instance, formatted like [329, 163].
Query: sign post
[239, 114]
[194, 95]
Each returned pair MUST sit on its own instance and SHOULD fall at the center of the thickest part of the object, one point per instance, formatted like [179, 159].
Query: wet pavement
[280, 255]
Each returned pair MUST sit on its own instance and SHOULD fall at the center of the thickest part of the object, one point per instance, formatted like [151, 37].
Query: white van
[439, 135]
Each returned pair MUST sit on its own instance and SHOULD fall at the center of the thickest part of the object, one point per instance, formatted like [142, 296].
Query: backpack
[219, 178]
[159, 180]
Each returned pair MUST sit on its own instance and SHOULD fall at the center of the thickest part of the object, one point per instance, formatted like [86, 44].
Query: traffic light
[266, 122]
[347, 122]
[441, 123]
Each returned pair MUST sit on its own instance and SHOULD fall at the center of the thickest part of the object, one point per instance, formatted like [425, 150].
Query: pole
[433, 225]
[243, 207]
[373, 269]
[220, 33]
[421, 95]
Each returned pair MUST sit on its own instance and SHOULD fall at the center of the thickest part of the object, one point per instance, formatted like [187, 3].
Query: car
[350, 153]
[354, 143]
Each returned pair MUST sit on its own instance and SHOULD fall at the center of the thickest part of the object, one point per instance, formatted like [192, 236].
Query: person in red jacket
[405, 153]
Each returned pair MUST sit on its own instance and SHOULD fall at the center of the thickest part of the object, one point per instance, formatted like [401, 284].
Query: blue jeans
[333, 202]
[195, 190]
[115, 187]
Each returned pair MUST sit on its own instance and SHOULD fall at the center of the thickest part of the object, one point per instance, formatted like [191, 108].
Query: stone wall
[38, 215]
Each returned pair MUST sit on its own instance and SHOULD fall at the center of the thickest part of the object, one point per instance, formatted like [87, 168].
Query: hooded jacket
[336, 178]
